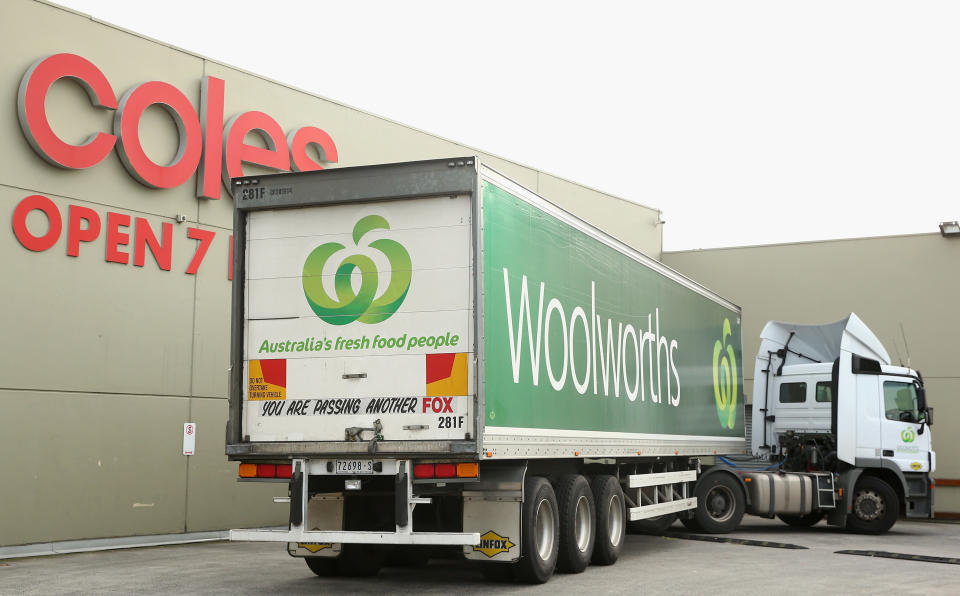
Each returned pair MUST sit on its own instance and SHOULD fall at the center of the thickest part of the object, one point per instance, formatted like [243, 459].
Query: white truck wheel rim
[582, 523]
[544, 531]
[614, 520]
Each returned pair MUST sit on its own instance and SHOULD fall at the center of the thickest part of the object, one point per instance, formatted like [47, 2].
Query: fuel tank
[772, 493]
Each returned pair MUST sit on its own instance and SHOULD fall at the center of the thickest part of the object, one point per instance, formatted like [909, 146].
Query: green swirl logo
[908, 435]
[725, 378]
[363, 305]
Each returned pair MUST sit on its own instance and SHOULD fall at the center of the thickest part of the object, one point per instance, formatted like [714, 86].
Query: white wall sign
[189, 437]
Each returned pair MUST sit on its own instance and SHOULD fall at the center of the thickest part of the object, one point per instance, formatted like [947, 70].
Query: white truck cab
[828, 399]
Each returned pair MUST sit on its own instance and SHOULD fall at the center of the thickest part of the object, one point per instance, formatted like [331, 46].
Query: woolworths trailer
[430, 354]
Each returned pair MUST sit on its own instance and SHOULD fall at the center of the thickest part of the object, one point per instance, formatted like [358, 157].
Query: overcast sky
[744, 122]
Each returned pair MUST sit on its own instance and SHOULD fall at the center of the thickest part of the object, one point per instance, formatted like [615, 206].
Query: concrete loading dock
[806, 561]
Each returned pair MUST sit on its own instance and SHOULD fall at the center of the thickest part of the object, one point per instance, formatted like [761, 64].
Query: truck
[430, 357]
[845, 432]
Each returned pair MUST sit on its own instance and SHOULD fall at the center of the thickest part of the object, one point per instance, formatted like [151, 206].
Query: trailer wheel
[540, 532]
[611, 520]
[720, 504]
[323, 566]
[802, 521]
[875, 506]
[578, 525]
[360, 560]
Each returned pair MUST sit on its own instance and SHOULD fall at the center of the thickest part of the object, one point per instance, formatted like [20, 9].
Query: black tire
[690, 523]
[720, 503]
[539, 530]
[360, 560]
[802, 521]
[875, 506]
[498, 572]
[578, 523]
[323, 566]
[611, 520]
[652, 525]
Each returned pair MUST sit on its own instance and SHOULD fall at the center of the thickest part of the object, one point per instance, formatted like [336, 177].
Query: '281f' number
[450, 422]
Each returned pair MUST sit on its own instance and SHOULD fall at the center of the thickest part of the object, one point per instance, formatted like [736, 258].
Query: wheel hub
[544, 529]
[720, 503]
[582, 521]
[868, 505]
[615, 520]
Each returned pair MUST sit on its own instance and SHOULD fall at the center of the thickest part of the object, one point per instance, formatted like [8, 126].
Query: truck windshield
[900, 401]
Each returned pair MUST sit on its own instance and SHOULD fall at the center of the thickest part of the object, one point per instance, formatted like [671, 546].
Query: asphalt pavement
[762, 557]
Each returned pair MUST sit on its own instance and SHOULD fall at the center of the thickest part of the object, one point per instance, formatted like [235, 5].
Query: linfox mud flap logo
[314, 546]
[725, 378]
[908, 435]
[492, 544]
[364, 306]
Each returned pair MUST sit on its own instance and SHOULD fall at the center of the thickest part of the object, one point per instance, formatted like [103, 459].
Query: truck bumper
[326, 537]
[317, 520]
[919, 495]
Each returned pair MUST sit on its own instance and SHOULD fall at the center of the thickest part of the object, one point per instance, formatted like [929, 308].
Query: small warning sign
[267, 380]
[446, 374]
[189, 438]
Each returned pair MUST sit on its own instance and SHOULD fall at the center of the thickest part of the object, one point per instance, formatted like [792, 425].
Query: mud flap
[295, 492]
[493, 508]
[401, 510]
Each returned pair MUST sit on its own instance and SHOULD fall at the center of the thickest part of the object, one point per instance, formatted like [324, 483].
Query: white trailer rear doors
[360, 316]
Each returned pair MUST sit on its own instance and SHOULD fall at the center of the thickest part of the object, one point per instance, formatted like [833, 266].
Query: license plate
[354, 466]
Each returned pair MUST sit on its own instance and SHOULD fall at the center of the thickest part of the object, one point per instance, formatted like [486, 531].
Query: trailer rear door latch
[355, 433]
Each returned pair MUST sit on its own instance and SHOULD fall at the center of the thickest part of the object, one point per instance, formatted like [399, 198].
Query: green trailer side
[590, 346]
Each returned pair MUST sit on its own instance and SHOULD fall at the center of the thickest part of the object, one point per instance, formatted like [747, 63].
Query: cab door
[900, 427]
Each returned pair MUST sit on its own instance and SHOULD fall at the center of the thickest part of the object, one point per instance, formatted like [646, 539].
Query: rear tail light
[467, 470]
[423, 471]
[446, 470]
[265, 470]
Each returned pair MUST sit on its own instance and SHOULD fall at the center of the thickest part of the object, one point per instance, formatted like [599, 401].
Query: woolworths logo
[596, 352]
[725, 378]
[363, 305]
[908, 435]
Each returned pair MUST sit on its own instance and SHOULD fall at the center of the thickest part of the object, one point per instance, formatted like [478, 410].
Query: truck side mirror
[926, 413]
